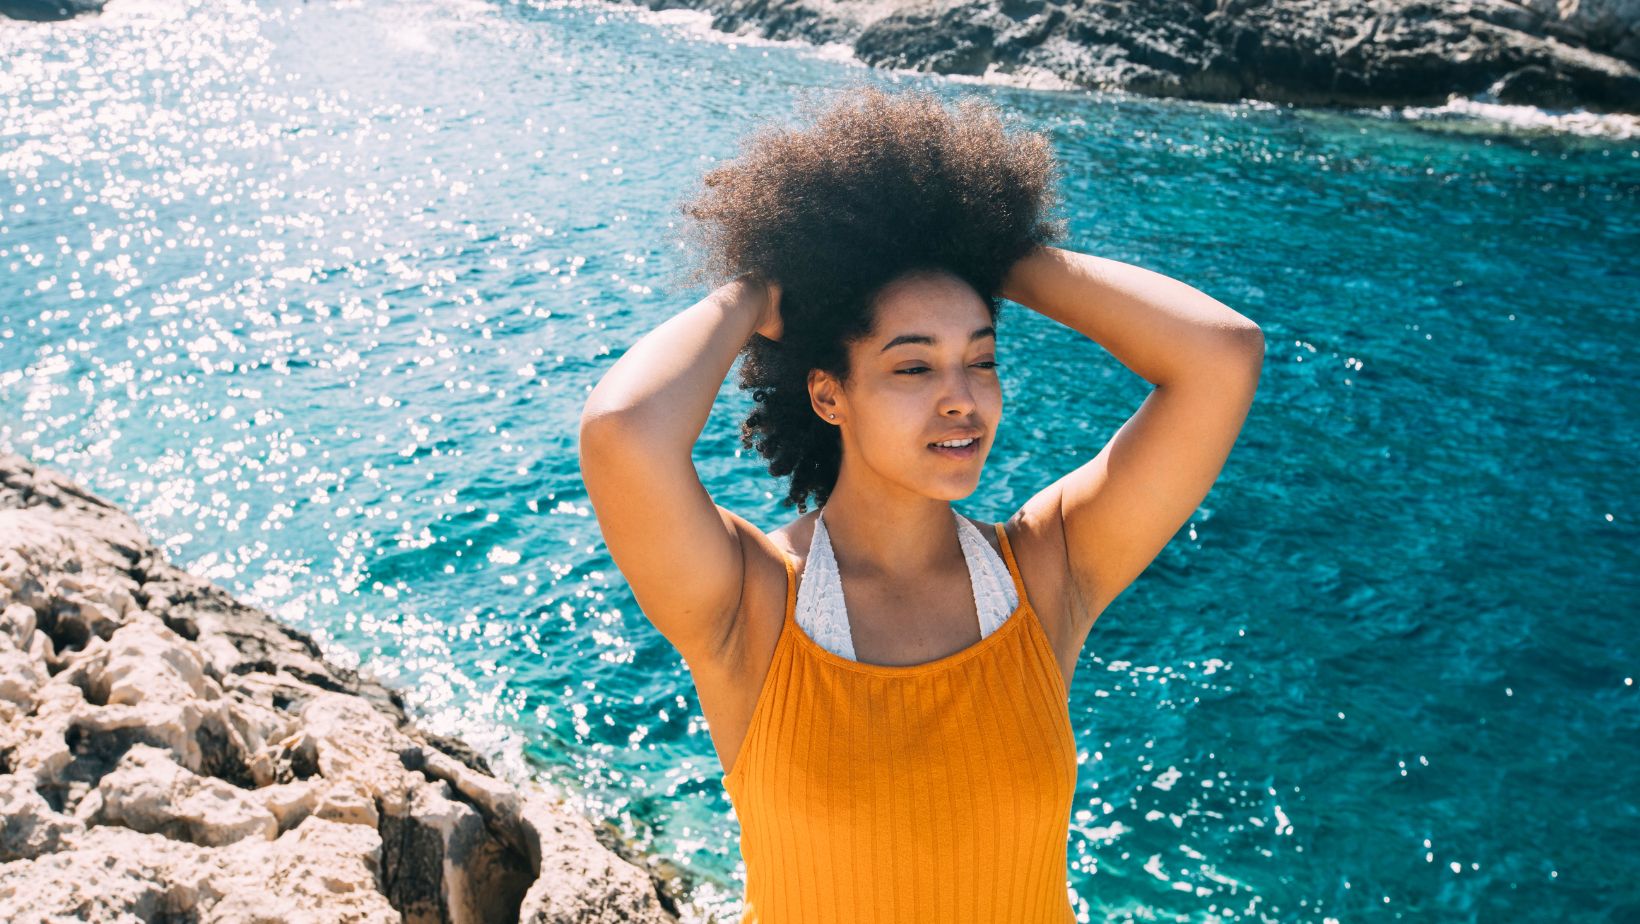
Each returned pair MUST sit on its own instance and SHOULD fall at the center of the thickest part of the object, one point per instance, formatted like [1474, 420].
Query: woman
[886, 680]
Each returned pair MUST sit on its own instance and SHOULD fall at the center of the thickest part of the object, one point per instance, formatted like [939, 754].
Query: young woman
[885, 679]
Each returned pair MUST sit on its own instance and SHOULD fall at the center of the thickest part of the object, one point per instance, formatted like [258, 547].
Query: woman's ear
[823, 395]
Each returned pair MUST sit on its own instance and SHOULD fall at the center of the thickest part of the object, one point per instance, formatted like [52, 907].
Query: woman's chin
[953, 489]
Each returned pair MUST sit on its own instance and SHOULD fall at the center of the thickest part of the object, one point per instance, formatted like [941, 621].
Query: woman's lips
[966, 452]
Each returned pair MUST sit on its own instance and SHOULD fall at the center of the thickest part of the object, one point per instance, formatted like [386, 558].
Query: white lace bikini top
[820, 609]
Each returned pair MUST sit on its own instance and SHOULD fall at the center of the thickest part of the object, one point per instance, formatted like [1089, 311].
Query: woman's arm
[1155, 325]
[1118, 510]
[679, 551]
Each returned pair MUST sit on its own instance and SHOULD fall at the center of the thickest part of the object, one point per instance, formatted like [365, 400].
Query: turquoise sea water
[316, 291]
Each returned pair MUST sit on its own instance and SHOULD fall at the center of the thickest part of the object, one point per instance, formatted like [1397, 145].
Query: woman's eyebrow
[986, 331]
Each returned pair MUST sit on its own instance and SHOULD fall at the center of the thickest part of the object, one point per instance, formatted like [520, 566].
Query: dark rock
[1307, 52]
[48, 10]
[460, 750]
[412, 866]
[953, 41]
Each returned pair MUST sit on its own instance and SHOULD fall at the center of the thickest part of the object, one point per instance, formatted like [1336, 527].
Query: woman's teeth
[954, 444]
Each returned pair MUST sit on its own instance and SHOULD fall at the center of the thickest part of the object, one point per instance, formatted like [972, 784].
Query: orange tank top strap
[791, 588]
[1044, 640]
[1013, 566]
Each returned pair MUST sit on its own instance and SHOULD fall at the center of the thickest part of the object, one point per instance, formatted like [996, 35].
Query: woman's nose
[958, 398]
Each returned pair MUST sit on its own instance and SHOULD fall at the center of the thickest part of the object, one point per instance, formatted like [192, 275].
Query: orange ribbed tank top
[929, 792]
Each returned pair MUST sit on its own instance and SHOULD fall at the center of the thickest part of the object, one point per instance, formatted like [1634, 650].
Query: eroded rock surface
[170, 753]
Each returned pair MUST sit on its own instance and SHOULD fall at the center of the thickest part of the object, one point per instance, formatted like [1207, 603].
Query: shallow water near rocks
[316, 291]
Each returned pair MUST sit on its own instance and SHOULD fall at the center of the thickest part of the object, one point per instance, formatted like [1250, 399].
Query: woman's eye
[988, 364]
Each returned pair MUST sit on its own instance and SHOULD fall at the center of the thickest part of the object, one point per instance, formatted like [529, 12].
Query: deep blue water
[316, 291]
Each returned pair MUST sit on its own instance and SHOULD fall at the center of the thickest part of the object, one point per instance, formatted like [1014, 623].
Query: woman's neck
[891, 537]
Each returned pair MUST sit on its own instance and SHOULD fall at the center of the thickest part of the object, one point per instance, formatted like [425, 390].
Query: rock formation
[1550, 53]
[170, 753]
[1557, 54]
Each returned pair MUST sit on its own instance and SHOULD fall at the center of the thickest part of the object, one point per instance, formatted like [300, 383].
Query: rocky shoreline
[1553, 54]
[1355, 53]
[169, 753]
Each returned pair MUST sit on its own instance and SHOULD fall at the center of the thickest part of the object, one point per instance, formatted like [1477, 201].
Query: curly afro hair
[879, 186]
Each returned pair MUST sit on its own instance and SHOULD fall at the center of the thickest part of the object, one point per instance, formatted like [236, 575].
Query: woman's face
[926, 374]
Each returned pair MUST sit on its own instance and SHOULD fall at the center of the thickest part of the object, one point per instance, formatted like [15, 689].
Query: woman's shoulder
[1037, 542]
[793, 538]
[767, 554]
[763, 593]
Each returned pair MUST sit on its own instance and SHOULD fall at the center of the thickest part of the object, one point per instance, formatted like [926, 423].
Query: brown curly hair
[880, 185]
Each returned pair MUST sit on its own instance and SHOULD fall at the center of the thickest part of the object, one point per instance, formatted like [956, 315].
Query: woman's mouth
[966, 451]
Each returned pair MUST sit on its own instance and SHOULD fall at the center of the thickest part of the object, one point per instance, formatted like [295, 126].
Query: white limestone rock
[21, 672]
[168, 752]
[28, 825]
[148, 791]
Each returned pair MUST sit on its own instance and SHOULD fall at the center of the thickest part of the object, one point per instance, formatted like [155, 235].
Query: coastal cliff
[1550, 53]
[168, 752]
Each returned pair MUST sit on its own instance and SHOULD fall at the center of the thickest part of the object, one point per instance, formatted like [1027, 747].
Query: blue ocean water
[316, 291]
